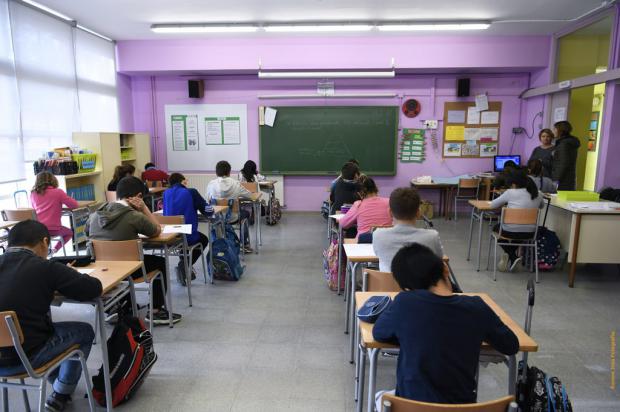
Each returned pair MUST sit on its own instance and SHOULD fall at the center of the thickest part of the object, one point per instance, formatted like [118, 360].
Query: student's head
[350, 171]
[545, 136]
[32, 235]
[222, 168]
[122, 171]
[249, 170]
[129, 186]
[535, 167]
[510, 164]
[176, 178]
[416, 267]
[366, 186]
[405, 203]
[354, 161]
[43, 181]
[562, 128]
[518, 179]
[130, 170]
[149, 165]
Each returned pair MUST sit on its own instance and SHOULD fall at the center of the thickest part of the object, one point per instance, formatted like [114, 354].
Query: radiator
[199, 181]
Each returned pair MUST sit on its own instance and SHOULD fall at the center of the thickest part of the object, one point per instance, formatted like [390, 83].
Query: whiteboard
[202, 156]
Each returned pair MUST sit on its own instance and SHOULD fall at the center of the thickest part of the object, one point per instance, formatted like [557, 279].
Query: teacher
[564, 166]
[544, 152]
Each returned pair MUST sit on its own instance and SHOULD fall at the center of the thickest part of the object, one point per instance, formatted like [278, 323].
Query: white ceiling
[131, 19]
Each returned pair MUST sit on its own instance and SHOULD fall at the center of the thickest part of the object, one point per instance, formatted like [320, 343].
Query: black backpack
[540, 393]
[131, 356]
[611, 194]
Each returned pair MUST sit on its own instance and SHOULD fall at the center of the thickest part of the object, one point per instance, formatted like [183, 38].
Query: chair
[11, 336]
[252, 186]
[233, 207]
[21, 199]
[375, 281]
[19, 215]
[129, 250]
[514, 216]
[110, 196]
[391, 403]
[471, 188]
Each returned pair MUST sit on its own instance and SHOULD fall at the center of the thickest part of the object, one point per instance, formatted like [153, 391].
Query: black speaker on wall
[196, 89]
[462, 89]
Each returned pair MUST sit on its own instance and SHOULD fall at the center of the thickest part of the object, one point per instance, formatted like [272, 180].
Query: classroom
[309, 206]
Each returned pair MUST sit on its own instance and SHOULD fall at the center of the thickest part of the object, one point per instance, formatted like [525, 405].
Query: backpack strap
[551, 407]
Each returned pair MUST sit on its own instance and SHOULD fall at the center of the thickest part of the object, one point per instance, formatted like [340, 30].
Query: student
[120, 172]
[333, 184]
[500, 180]
[522, 193]
[249, 173]
[225, 187]
[179, 200]
[125, 219]
[28, 282]
[152, 174]
[47, 201]
[439, 333]
[345, 188]
[405, 209]
[371, 210]
[535, 170]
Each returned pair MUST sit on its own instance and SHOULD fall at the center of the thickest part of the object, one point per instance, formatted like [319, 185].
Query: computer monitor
[499, 161]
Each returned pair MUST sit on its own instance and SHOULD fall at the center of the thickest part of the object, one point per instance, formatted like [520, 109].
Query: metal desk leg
[104, 353]
[187, 262]
[573, 264]
[360, 384]
[346, 295]
[480, 219]
[260, 224]
[471, 232]
[257, 228]
[358, 356]
[512, 374]
[340, 248]
[210, 262]
[372, 374]
[169, 286]
[352, 309]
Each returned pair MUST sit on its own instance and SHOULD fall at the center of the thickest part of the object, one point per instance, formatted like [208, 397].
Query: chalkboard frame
[390, 172]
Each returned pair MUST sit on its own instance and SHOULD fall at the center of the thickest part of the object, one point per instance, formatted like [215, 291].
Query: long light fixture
[318, 28]
[47, 10]
[204, 28]
[326, 74]
[335, 96]
[432, 26]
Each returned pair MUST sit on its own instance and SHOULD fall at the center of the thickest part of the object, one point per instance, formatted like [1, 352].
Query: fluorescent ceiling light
[335, 96]
[292, 28]
[326, 74]
[203, 28]
[432, 26]
[47, 10]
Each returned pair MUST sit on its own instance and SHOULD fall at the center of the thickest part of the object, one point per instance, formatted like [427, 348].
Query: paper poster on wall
[456, 116]
[454, 132]
[488, 149]
[470, 148]
[191, 131]
[482, 102]
[489, 117]
[473, 115]
[488, 134]
[270, 116]
[231, 130]
[178, 133]
[213, 130]
[452, 149]
[472, 133]
[559, 114]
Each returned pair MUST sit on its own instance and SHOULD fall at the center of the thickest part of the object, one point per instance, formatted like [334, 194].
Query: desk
[357, 254]
[526, 344]
[446, 195]
[7, 224]
[254, 199]
[588, 235]
[480, 209]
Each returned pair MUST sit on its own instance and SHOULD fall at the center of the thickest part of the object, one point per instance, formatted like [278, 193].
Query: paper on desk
[186, 229]
[85, 271]
[594, 205]
[270, 116]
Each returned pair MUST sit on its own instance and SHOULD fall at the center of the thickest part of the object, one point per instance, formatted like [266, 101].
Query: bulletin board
[468, 133]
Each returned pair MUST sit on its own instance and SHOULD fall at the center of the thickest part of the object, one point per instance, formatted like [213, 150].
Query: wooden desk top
[115, 273]
[156, 190]
[481, 204]
[7, 224]
[360, 252]
[526, 343]
[163, 238]
[216, 209]
[254, 197]
[267, 183]
[433, 185]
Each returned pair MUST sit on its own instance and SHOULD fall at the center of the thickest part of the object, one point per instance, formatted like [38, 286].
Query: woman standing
[544, 152]
[564, 170]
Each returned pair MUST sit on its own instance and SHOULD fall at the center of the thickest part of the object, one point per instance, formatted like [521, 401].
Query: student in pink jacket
[47, 201]
[370, 211]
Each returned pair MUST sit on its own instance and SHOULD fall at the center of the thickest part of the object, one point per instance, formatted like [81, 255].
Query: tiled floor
[274, 341]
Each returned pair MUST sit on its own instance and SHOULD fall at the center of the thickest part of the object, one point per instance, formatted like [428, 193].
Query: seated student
[225, 187]
[405, 209]
[543, 183]
[371, 210]
[125, 219]
[179, 200]
[153, 174]
[439, 333]
[28, 282]
[120, 172]
[333, 184]
[345, 189]
[500, 180]
[523, 194]
[249, 173]
[47, 201]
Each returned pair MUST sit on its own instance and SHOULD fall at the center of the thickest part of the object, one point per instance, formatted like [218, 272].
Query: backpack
[131, 357]
[548, 247]
[274, 214]
[226, 263]
[611, 194]
[330, 266]
[325, 209]
[541, 393]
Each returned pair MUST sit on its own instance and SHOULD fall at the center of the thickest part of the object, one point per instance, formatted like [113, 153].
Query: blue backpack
[226, 264]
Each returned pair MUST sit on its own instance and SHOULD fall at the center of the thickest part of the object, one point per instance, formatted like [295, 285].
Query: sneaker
[180, 272]
[161, 317]
[57, 402]
[514, 264]
[247, 249]
[504, 263]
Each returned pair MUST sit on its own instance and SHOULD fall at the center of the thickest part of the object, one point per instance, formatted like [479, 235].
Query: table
[254, 199]
[111, 274]
[587, 234]
[357, 254]
[336, 217]
[446, 195]
[526, 344]
[7, 224]
[480, 209]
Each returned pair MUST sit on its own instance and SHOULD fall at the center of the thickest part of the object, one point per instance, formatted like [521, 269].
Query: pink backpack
[330, 266]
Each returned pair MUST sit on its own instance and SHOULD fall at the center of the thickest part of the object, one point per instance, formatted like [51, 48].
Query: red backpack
[131, 357]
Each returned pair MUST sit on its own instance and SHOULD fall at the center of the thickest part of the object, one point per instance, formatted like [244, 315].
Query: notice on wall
[473, 115]
[559, 114]
[456, 116]
[452, 150]
[454, 132]
[191, 133]
[472, 133]
[470, 148]
[223, 130]
[184, 133]
[412, 146]
[488, 134]
[213, 130]
[270, 116]
[482, 102]
[231, 130]
[178, 133]
[489, 117]
[488, 149]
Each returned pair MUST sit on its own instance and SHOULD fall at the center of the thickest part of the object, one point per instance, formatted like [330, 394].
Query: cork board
[468, 133]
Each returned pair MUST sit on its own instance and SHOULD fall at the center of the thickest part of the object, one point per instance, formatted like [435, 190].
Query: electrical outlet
[518, 130]
[430, 124]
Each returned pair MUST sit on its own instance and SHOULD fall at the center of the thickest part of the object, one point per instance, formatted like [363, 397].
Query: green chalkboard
[319, 140]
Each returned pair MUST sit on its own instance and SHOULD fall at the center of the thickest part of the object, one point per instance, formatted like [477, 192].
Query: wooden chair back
[123, 250]
[19, 215]
[469, 183]
[154, 183]
[375, 227]
[515, 216]
[252, 187]
[224, 202]
[399, 404]
[381, 282]
[110, 196]
[169, 220]
[5, 334]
